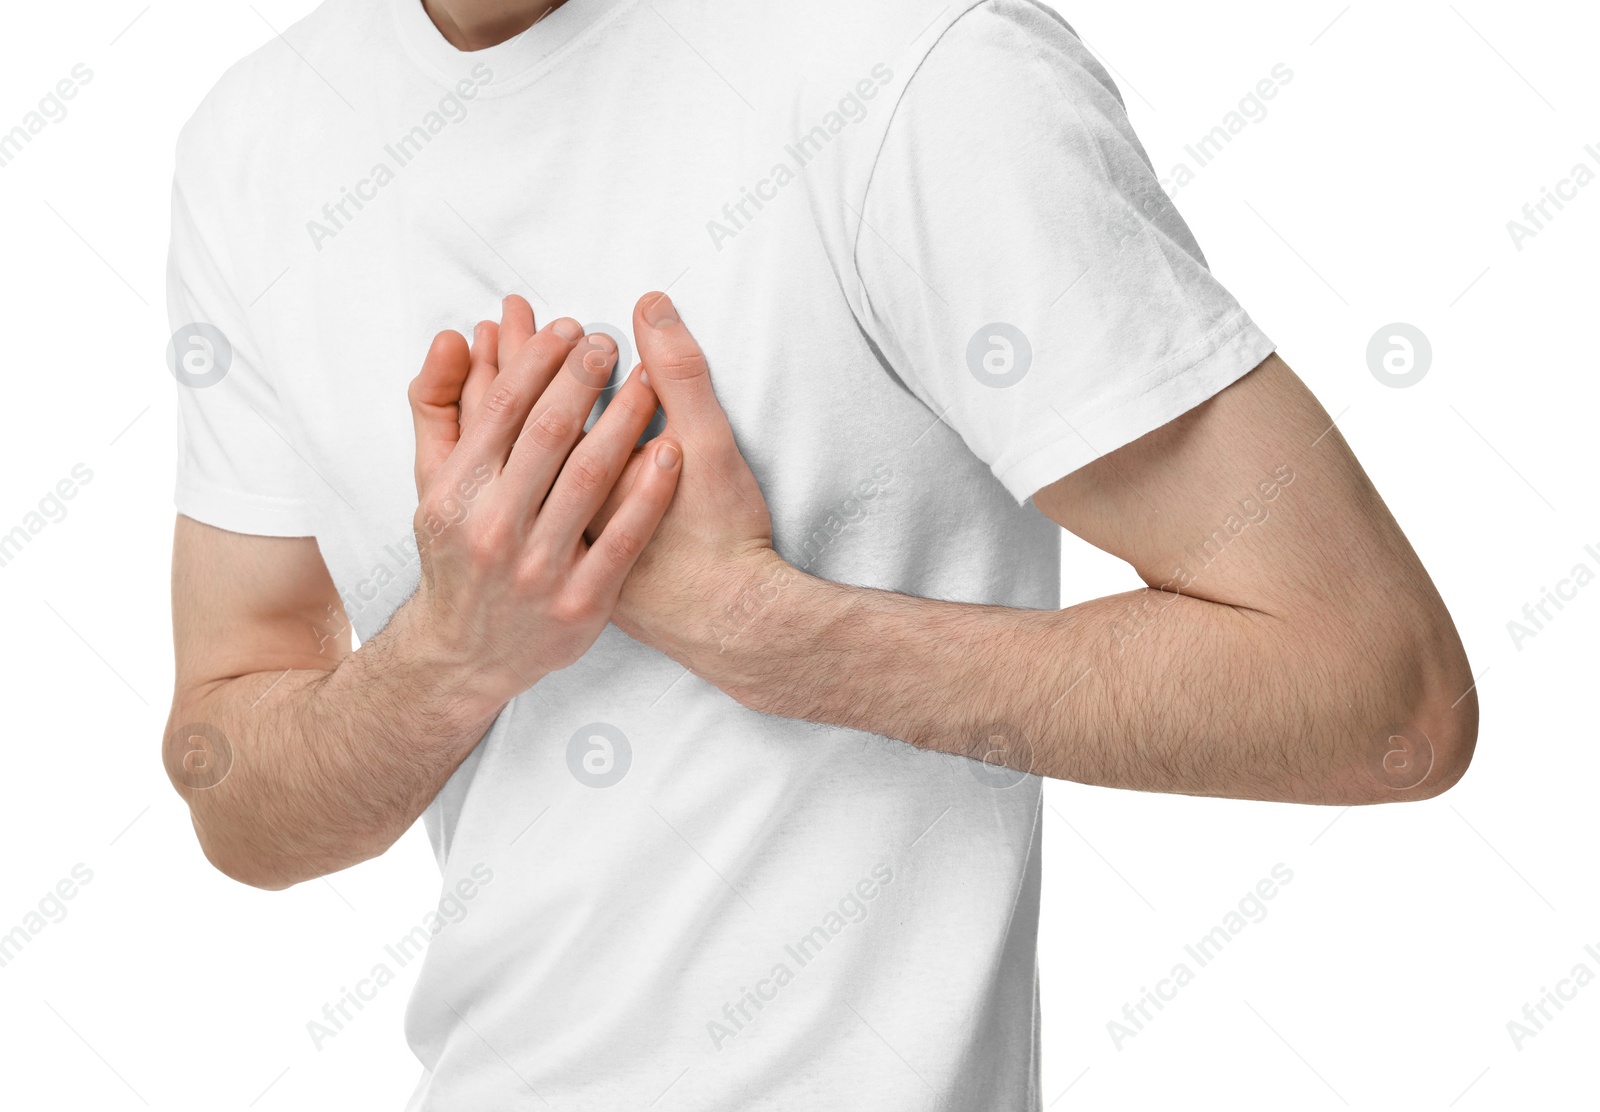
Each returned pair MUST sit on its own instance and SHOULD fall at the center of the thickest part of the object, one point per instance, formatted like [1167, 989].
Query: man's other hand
[507, 481]
[711, 562]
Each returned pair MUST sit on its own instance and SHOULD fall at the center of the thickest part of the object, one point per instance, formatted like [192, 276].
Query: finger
[485, 365]
[678, 371]
[619, 491]
[593, 467]
[516, 326]
[435, 397]
[603, 568]
[557, 419]
[493, 427]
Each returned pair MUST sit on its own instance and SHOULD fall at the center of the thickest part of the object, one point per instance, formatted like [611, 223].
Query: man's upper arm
[1254, 500]
[250, 591]
[243, 604]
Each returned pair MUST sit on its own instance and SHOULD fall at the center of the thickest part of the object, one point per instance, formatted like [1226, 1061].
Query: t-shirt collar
[512, 62]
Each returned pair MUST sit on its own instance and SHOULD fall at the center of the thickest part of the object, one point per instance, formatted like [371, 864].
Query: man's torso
[758, 913]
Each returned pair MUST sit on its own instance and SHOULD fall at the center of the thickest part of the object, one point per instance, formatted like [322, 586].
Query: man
[693, 727]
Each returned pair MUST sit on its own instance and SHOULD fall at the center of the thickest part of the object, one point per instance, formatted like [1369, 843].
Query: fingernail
[567, 328]
[660, 312]
[667, 456]
[597, 361]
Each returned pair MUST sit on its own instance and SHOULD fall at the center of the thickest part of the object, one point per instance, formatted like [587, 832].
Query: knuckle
[429, 506]
[546, 349]
[482, 549]
[489, 540]
[551, 430]
[573, 609]
[630, 407]
[681, 361]
[587, 474]
[501, 402]
[620, 546]
[535, 575]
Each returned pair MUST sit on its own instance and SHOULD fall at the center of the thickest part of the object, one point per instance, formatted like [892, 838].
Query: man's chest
[348, 326]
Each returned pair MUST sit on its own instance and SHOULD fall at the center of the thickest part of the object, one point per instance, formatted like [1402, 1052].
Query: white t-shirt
[933, 272]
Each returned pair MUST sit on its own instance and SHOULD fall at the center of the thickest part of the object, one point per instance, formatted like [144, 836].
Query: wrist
[771, 616]
[438, 667]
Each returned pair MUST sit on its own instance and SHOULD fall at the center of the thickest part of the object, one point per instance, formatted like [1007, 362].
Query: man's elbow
[1452, 733]
[245, 866]
[1429, 752]
[225, 845]
[260, 858]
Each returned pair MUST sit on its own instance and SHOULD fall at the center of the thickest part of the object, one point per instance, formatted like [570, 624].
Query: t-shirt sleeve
[1022, 270]
[237, 469]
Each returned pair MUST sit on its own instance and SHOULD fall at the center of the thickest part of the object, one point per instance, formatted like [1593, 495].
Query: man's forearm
[1149, 690]
[324, 769]
[295, 764]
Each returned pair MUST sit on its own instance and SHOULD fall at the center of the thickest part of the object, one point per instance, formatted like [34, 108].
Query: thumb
[435, 396]
[679, 373]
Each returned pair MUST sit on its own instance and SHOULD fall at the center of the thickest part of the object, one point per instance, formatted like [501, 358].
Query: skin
[1312, 661]
[331, 755]
[478, 24]
[1279, 672]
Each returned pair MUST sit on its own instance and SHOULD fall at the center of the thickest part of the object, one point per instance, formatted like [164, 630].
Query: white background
[1376, 190]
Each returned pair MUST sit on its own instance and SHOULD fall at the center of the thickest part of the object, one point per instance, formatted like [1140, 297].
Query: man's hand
[711, 561]
[507, 481]
[315, 757]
